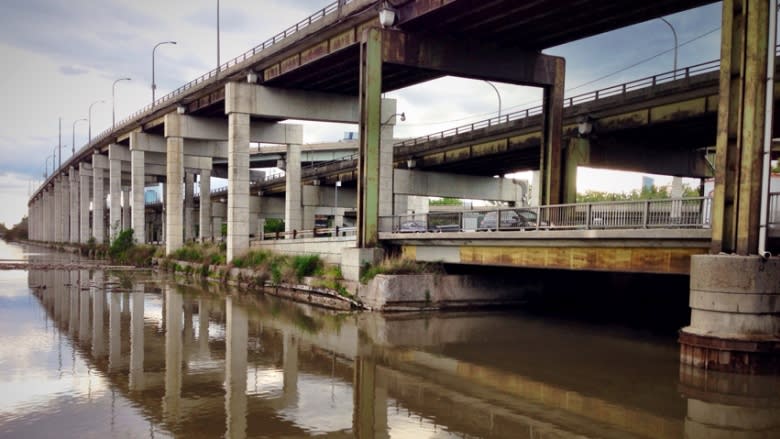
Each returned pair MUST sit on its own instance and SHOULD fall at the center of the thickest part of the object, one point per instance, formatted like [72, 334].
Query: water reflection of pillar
[57, 292]
[173, 354]
[236, 341]
[115, 332]
[137, 338]
[98, 305]
[189, 330]
[290, 369]
[73, 313]
[730, 405]
[85, 332]
[370, 395]
[203, 328]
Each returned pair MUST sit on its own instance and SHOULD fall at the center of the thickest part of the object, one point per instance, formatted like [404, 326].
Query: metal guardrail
[667, 213]
[330, 232]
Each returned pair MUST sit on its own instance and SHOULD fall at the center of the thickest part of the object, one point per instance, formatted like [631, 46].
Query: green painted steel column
[740, 136]
[551, 163]
[370, 112]
[577, 154]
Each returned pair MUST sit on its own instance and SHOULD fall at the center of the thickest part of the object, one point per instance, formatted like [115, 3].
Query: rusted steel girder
[370, 127]
[740, 136]
[458, 58]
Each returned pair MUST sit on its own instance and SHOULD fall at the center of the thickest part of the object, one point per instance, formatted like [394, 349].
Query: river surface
[88, 353]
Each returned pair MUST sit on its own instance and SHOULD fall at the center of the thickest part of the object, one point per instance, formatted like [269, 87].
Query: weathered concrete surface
[137, 183]
[328, 249]
[354, 259]
[73, 176]
[439, 184]
[437, 291]
[204, 212]
[735, 314]
[293, 208]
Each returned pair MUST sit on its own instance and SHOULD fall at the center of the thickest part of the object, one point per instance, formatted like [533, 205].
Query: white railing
[667, 213]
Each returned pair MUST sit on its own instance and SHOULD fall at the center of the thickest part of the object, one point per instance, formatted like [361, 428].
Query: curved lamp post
[674, 33]
[89, 121]
[154, 85]
[73, 135]
[113, 101]
[498, 94]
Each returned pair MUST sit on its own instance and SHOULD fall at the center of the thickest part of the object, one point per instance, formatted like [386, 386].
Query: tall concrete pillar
[293, 206]
[51, 214]
[137, 178]
[551, 163]
[577, 154]
[137, 338]
[237, 337]
[127, 211]
[85, 175]
[204, 230]
[238, 185]
[64, 216]
[57, 194]
[98, 198]
[75, 217]
[189, 205]
[174, 170]
[114, 190]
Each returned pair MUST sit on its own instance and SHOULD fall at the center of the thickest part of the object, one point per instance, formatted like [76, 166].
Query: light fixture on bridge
[387, 15]
[315, 182]
[251, 77]
[181, 109]
[584, 125]
[411, 163]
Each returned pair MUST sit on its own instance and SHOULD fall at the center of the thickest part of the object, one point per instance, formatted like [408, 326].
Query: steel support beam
[370, 124]
[551, 162]
[738, 158]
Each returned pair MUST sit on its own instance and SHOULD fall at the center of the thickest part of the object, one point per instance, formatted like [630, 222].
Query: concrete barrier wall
[329, 249]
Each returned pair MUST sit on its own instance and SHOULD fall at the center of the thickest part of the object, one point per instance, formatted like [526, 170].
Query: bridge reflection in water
[195, 364]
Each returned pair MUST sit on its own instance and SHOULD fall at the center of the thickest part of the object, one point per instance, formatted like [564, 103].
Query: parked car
[412, 227]
[511, 219]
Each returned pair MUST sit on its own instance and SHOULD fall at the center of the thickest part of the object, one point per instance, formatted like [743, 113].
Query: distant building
[647, 182]
[151, 196]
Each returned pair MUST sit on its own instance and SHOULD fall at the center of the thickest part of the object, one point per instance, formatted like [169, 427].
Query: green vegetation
[446, 201]
[399, 266]
[124, 250]
[207, 254]
[16, 233]
[273, 225]
[646, 193]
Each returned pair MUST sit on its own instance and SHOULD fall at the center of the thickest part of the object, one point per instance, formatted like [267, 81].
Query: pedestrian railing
[325, 232]
[669, 213]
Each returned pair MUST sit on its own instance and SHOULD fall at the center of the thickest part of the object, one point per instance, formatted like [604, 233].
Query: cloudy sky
[60, 57]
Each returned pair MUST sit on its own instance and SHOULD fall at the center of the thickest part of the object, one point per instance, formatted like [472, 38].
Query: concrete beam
[438, 184]
[201, 148]
[201, 128]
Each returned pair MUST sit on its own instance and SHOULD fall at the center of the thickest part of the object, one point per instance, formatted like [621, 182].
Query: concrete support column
[98, 204]
[85, 174]
[237, 337]
[75, 218]
[238, 185]
[127, 212]
[189, 205]
[57, 193]
[735, 314]
[114, 190]
[204, 230]
[137, 177]
[64, 215]
[293, 209]
[137, 338]
[174, 171]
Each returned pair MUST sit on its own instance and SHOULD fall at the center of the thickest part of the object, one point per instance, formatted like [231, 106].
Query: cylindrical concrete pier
[735, 314]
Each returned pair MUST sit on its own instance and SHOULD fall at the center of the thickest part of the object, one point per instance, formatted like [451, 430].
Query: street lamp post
[46, 167]
[499, 98]
[113, 101]
[73, 135]
[89, 122]
[154, 85]
[674, 33]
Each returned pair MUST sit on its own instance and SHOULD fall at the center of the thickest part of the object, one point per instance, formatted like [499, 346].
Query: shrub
[120, 246]
[305, 265]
